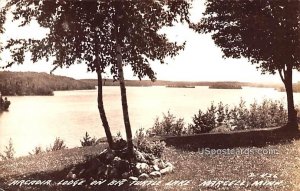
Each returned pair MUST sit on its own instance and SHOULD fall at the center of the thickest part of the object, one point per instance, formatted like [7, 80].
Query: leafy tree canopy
[267, 32]
[85, 31]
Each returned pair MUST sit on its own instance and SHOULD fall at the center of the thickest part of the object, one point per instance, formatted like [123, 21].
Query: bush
[37, 150]
[202, 123]
[145, 145]
[9, 151]
[169, 125]
[58, 144]
[267, 114]
[87, 140]
[239, 116]
[119, 142]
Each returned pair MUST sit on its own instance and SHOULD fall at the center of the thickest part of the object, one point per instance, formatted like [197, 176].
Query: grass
[189, 165]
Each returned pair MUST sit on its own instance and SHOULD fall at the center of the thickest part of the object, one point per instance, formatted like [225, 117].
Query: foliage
[267, 114]
[87, 140]
[58, 144]
[266, 32]
[254, 29]
[37, 150]
[101, 34]
[119, 142]
[146, 145]
[9, 151]
[32, 83]
[205, 122]
[87, 32]
[169, 125]
[220, 85]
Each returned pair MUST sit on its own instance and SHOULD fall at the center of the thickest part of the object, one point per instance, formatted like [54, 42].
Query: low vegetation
[221, 117]
[58, 144]
[9, 152]
[87, 140]
[146, 145]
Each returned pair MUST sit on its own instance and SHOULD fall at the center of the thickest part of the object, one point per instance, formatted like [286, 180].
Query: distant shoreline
[43, 84]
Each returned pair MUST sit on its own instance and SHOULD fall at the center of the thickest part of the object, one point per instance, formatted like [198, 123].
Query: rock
[107, 170]
[156, 168]
[133, 178]
[168, 164]
[139, 156]
[74, 176]
[233, 127]
[166, 170]
[113, 173]
[124, 166]
[116, 161]
[110, 155]
[101, 170]
[143, 176]
[159, 163]
[148, 156]
[155, 174]
[142, 167]
[71, 172]
[69, 175]
[125, 175]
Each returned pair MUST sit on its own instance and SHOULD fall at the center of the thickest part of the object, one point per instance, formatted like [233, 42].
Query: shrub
[9, 151]
[87, 140]
[58, 144]
[119, 142]
[267, 114]
[169, 125]
[239, 115]
[37, 150]
[145, 145]
[205, 122]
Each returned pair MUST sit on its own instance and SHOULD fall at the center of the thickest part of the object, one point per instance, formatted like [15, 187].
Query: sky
[201, 60]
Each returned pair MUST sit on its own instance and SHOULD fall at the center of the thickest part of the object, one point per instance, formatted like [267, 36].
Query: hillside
[33, 83]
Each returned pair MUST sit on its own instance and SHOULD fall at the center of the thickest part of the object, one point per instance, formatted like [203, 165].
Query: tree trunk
[102, 111]
[124, 101]
[292, 114]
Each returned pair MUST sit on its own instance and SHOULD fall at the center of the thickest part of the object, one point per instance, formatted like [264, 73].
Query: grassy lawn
[190, 166]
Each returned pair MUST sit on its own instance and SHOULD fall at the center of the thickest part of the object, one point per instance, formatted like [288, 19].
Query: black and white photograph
[148, 95]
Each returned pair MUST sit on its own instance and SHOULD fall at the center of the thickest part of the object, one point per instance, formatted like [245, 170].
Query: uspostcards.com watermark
[239, 151]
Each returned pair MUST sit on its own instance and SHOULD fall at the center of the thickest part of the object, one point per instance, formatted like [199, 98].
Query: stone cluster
[112, 164]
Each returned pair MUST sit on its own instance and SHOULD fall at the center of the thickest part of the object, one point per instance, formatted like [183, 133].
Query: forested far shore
[111, 82]
[34, 83]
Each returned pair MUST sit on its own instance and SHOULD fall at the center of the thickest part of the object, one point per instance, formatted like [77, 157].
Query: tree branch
[281, 75]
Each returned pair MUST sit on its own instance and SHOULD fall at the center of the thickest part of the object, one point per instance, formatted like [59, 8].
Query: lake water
[38, 120]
